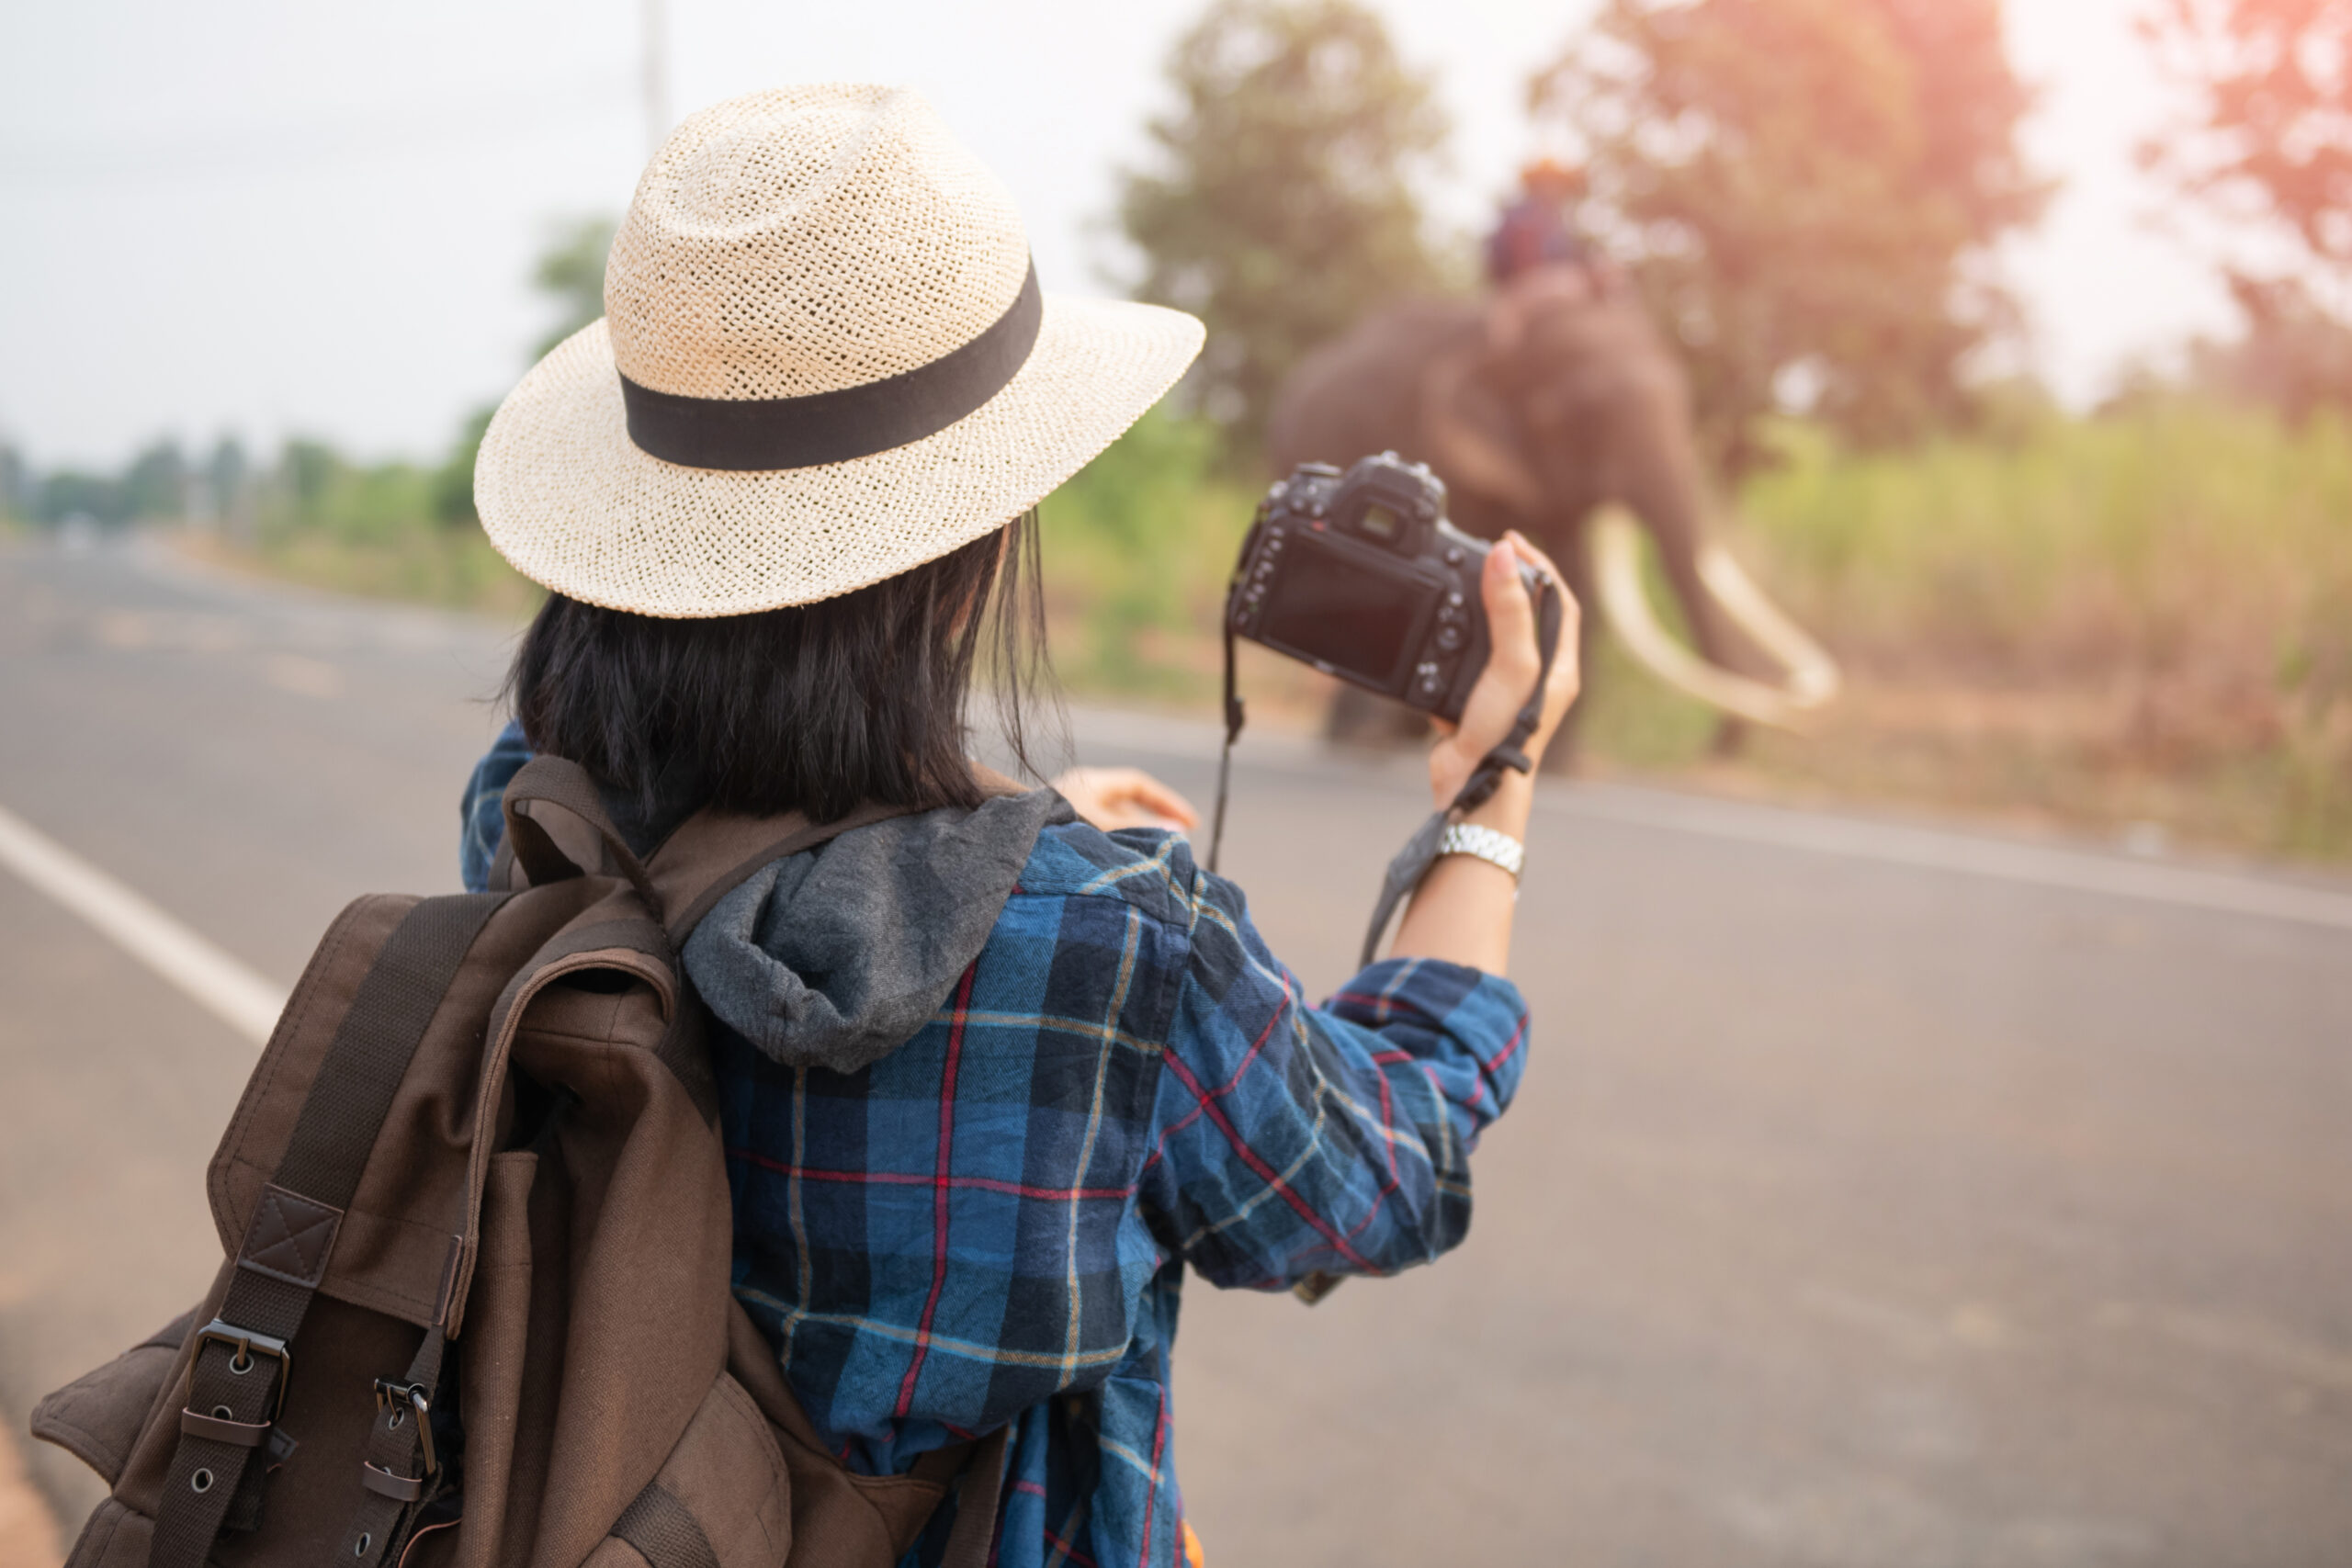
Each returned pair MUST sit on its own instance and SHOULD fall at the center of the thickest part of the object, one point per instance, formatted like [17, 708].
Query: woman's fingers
[1513, 659]
[1567, 677]
[1514, 662]
[1112, 798]
[1138, 790]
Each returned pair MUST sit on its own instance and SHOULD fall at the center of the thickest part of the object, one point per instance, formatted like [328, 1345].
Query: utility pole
[657, 75]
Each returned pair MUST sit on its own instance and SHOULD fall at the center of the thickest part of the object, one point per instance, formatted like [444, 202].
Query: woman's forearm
[1461, 912]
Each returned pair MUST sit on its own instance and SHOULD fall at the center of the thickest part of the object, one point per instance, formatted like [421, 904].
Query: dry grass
[2141, 618]
[427, 565]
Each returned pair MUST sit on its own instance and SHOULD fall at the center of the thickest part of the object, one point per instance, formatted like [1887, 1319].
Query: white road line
[1928, 849]
[241, 998]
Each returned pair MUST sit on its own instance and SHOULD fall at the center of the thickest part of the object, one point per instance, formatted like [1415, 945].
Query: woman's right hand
[1112, 798]
[1512, 663]
[1462, 911]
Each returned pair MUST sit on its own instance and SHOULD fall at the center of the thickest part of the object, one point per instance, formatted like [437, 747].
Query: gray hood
[835, 957]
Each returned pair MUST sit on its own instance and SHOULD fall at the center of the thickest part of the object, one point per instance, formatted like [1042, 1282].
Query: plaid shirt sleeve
[1299, 1139]
[482, 824]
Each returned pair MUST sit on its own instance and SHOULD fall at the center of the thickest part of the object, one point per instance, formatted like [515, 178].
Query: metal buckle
[245, 1342]
[418, 1400]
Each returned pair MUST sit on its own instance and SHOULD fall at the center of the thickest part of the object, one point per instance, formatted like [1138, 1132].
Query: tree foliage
[1804, 190]
[16, 484]
[2268, 147]
[570, 275]
[1282, 204]
[2270, 136]
[154, 483]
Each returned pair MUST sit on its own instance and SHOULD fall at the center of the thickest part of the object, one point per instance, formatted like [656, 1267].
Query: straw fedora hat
[824, 360]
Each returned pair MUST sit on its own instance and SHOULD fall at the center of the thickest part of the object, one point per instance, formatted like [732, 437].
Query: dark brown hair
[815, 707]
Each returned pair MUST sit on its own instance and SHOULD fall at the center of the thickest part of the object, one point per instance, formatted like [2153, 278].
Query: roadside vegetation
[2138, 622]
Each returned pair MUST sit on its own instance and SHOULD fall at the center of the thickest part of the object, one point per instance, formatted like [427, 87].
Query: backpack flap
[605, 982]
[394, 1247]
[97, 1417]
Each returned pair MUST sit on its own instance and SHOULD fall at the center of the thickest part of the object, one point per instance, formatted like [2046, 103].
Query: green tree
[1280, 204]
[570, 273]
[155, 485]
[228, 475]
[453, 481]
[1805, 190]
[16, 484]
[67, 493]
[308, 473]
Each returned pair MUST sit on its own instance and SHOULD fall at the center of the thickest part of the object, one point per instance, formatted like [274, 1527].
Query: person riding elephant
[1538, 229]
[1540, 408]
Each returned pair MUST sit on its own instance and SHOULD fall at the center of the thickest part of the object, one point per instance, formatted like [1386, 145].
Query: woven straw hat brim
[575, 506]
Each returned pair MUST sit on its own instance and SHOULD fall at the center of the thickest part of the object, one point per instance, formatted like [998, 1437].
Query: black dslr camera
[1360, 575]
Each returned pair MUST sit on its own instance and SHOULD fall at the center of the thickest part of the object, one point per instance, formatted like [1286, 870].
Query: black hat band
[836, 427]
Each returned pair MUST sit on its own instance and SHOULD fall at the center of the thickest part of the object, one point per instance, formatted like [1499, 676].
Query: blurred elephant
[1552, 410]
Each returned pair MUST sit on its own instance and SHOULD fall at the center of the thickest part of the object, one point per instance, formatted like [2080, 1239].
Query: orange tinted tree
[1805, 190]
[2268, 147]
[1280, 203]
[2271, 136]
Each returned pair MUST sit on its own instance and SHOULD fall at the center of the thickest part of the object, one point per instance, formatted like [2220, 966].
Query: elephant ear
[1462, 445]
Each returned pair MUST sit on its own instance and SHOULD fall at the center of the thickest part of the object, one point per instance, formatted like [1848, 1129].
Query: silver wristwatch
[1483, 843]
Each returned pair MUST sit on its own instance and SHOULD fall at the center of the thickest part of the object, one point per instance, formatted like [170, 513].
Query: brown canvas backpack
[474, 1308]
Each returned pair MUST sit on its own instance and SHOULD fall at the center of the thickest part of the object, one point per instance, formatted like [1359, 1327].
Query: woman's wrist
[1508, 809]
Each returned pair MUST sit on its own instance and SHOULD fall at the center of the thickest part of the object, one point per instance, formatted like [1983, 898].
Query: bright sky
[275, 216]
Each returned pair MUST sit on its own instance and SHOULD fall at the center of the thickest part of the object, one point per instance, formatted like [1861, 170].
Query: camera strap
[1234, 716]
[1412, 861]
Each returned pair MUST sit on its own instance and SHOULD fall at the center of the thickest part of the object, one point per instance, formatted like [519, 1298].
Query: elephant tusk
[1813, 677]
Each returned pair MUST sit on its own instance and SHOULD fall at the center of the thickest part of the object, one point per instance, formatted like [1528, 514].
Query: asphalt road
[1878, 1196]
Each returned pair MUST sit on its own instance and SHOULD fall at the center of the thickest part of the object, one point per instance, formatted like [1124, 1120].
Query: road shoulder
[29, 1537]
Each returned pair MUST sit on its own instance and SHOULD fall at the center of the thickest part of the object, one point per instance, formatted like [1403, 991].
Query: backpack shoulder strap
[714, 853]
[283, 1258]
[557, 829]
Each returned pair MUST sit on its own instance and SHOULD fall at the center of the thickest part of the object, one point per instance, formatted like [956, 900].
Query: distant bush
[1138, 549]
[2161, 595]
[2179, 541]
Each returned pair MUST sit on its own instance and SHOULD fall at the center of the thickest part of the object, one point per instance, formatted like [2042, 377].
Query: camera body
[1360, 575]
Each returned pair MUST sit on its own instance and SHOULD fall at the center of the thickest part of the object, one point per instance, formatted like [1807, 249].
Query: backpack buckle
[248, 1344]
[410, 1401]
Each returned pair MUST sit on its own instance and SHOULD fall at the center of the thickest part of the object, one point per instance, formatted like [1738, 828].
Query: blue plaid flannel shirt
[990, 1224]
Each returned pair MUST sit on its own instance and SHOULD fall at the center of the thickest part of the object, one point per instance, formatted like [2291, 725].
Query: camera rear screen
[1349, 616]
